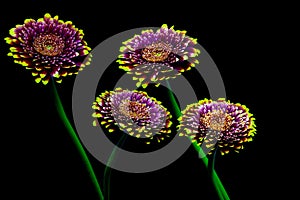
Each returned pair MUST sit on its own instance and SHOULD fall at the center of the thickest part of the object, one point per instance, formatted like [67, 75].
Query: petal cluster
[218, 124]
[49, 47]
[156, 56]
[133, 112]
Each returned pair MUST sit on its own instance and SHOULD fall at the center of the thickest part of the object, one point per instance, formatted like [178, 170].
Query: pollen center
[138, 112]
[156, 52]
[217, 120]
[49, 44]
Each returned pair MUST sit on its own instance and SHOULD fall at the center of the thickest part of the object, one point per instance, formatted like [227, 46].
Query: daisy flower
[48, 47]
[218, 123]
[155, 56]
[133, 112]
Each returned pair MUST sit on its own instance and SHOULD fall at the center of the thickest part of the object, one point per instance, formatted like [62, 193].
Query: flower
[134, 112]
[220, 123]
[155, 56]
[48, 47]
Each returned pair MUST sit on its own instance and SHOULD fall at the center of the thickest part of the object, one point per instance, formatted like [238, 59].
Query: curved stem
[214, 158]
[220, 193]
[107, 170]
[76, 140]
[216, 181]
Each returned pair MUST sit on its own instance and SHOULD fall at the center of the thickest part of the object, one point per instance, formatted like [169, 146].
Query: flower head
[134, 112]
[219, 123]
[48, 47]
[155, 56]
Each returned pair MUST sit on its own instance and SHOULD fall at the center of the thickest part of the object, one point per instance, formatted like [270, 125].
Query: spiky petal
[49, 47]
[218, 123]
[156, 56]
[133, 112]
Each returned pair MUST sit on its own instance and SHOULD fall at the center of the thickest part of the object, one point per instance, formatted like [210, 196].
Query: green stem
[220, 193]
[107, 170]
[216, 181]
[76, 140]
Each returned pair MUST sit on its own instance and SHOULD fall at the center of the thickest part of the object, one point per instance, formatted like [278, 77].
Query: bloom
[155, 56]
[48, 47]
[219, 123]
[134, 112]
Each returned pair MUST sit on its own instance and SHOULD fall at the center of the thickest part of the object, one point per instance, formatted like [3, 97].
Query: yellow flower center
[216, 120]
[156, 52]
[134, 110]
[49, 44]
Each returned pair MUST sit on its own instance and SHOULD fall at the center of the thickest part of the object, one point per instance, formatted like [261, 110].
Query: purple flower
[134, 112]
[218, 123]
[48, 47]
[155, 56]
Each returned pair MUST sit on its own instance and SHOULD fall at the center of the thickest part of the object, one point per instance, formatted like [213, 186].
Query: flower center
[156, 52]
[217, 120]
[49, 44]
[138, 112]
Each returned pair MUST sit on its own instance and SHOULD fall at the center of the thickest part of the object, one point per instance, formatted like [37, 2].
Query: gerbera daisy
[48, 47]
[134, 112]
[218, 123]
[155, 56]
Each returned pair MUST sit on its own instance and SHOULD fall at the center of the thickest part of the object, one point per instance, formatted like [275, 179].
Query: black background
[39, 159]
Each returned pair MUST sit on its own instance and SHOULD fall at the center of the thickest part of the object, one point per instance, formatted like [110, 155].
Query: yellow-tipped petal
[37, 80]
[96, 115]
[47, 15]
[164, 26]
[95, 123]
[43, 74]
[34, 73]
[144, 85]
[13, 49]
[12, 32]
[27, 21]
[40, 20]
[64, 73]
[45, 81]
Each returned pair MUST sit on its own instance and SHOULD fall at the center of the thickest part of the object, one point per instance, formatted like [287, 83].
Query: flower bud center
[217, 120]
[156, 52]
[138, 112]
[49, 44]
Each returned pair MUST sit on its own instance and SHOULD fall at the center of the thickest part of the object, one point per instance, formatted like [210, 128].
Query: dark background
[39, 159]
